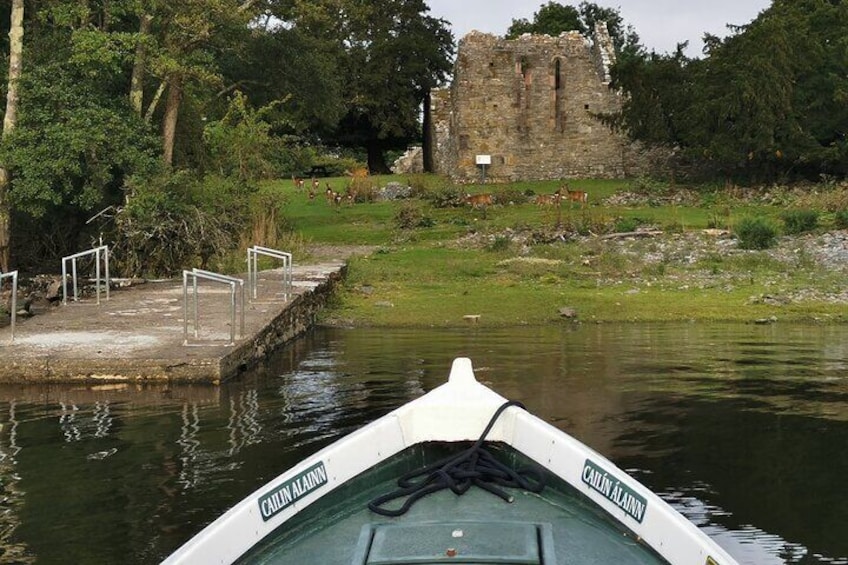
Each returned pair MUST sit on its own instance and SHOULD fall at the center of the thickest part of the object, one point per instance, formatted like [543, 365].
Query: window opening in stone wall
[463, 142]
[558, 95]
[524, 70]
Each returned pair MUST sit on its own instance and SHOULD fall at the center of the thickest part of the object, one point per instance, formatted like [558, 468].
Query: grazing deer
[478, 200]
[298, 182]
[573, 196]
[351, 194]
[548, 199]
[316, 184]
[329, 194]
[481, 201]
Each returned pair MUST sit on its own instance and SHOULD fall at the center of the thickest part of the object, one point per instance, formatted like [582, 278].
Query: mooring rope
[474, 466]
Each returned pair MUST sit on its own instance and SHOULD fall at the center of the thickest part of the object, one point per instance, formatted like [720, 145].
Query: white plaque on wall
[484, 159]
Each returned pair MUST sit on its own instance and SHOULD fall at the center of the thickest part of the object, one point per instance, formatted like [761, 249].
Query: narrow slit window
[558, 95]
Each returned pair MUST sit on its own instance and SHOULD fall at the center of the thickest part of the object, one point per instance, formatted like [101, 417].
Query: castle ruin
[527, 109]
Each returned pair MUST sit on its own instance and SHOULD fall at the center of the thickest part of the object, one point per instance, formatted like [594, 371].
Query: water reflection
[738, 427]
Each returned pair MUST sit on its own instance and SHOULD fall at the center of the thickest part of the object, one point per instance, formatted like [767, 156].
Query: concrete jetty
[138, 334]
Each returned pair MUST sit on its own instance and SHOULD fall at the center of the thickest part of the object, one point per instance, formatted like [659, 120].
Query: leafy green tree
[240, 144]
[391, 54]
[303, 93]
[766, 102]
[554, 18]
[65, 150]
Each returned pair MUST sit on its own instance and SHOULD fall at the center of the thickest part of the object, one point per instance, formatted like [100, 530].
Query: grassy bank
[519, 263]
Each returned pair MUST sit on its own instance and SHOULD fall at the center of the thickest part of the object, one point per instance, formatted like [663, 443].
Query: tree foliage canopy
[554, 18]
[768, 101]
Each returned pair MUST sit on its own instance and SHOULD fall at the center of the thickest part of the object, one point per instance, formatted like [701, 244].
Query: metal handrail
[14, 276]
[73, 259]
[214, 277]
[253, 270]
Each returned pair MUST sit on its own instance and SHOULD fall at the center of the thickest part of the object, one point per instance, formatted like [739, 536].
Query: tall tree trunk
[16, 48]
[376, 158]
[139, 65]
[169, 124]
[427, 145]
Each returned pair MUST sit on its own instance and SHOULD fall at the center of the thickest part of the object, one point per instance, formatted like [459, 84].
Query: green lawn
[462, 262]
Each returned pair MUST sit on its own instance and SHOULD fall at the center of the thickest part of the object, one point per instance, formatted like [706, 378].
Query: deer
[481, 201]
[298, 182]
[573, 196]
[316, 184]
[478, 200]
[548, 199]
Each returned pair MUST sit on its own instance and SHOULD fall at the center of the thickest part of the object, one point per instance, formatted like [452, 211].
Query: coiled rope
[474, 466]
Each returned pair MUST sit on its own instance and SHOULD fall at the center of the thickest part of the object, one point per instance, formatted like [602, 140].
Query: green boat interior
[557, 526]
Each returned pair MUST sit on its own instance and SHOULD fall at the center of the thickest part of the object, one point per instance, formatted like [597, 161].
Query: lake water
[743, 428]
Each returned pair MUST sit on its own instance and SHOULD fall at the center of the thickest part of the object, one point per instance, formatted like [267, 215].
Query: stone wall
[531, 104]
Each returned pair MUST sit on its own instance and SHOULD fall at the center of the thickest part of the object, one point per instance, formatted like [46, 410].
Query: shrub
[409, 216]
[445, 197]
[628, 224]
[176, 221]
[800, 221]
[506, 196]
[755, 233]
[500, 243]
[840, 219]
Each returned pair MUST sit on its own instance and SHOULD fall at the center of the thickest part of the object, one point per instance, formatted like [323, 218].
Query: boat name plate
[287, 493]
[632, 503]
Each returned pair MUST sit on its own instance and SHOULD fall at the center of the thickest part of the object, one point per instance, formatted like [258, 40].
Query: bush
[755, 233]
[499, 244]
[445, 197]
[507, 196]
[409, 216]
[800, 221]
[840, 220]
[176, 221]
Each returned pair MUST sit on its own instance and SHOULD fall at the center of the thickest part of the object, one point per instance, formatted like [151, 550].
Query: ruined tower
[529, 107]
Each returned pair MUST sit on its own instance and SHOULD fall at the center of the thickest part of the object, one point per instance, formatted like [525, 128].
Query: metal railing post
[252, 268]
[185, 306]
[73, 259]
[215, 277]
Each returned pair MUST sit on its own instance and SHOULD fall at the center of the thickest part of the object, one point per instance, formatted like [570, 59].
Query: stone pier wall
[297, 318]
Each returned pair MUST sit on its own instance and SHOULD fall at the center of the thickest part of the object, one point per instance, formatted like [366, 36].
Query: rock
[568, 312]
[54, 290]
[384, 304]
[367, 290]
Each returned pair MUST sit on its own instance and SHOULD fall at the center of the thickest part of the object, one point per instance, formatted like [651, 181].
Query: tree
[554, 18]
[10, 119]
[391, 54]
[305, 88]
[767, 101]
